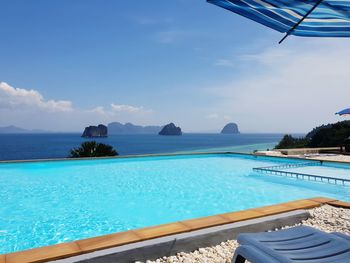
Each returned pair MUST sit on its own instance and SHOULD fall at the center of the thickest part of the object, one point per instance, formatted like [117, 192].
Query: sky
[68, 64]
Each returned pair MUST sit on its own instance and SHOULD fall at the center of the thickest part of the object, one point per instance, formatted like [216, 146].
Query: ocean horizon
[58, 145]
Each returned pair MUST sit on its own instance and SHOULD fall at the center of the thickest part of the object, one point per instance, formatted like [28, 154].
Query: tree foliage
[330, 135]
[92, 149]
[288, 141]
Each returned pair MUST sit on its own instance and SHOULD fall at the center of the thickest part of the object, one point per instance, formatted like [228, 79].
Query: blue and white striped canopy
[344, 112]
[311, 18]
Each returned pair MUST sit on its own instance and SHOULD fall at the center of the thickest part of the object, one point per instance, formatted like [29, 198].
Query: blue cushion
[299, 244]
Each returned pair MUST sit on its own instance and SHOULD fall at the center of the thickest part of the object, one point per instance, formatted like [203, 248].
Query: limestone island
[230, 128]
[95, 131]
[171, 129]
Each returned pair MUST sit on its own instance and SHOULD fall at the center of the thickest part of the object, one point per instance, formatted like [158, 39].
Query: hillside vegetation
[330, 135]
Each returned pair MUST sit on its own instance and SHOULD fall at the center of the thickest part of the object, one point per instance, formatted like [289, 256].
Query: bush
[92, 149]
[288, 141]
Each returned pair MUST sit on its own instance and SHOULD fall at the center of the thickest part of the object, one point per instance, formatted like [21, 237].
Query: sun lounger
[300, 244]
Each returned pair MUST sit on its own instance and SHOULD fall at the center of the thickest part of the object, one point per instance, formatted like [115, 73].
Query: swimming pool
[45, 203]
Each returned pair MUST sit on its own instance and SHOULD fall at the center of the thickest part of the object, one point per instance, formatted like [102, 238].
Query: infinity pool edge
[63, 159]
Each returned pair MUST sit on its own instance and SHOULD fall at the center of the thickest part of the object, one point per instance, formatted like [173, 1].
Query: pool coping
[84, 246]
[188, 242]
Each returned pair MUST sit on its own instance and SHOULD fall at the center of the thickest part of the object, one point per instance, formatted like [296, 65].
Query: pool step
[277, 170]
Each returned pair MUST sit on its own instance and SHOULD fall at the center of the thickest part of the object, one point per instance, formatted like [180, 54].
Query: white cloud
[28, 108]
[126, 108]
[215, 116]
[289, 88]
[17, 98]
[119, 109]
[98, 110]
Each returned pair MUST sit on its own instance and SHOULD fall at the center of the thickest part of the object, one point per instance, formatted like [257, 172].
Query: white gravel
[326, 218]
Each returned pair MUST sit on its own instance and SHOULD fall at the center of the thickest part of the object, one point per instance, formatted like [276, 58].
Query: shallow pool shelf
[278, 170]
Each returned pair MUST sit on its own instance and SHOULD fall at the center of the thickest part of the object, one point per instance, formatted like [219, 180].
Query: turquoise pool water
[44, 203]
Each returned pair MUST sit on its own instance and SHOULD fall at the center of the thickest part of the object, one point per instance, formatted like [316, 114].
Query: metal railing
[292, 165]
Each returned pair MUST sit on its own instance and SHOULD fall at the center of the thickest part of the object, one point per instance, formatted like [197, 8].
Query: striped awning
[344, 112]
[310, 18]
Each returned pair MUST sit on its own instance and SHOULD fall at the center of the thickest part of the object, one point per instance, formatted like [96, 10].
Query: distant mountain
[230, 128]
[13, 129]
[129, 128]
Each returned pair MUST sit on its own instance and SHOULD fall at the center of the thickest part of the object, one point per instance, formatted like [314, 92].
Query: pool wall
[80, 247]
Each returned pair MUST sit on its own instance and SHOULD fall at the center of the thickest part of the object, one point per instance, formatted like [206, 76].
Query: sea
[58, 145]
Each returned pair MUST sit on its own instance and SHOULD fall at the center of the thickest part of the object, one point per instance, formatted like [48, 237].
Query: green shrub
[92, 149]
[288, 141]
